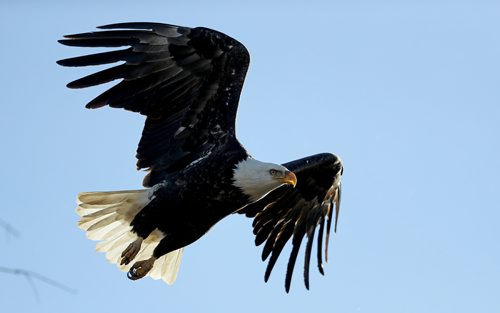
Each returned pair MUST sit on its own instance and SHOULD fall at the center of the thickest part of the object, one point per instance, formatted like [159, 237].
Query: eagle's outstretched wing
[296, 212]
[187, 81]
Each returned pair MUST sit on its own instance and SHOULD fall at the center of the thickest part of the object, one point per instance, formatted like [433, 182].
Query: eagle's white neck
[253, 178]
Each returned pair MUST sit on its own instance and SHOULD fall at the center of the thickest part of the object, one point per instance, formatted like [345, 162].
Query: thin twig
[33, 287]
[9, 229]
[33, 275]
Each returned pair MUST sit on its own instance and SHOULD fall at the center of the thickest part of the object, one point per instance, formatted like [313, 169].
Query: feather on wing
[187, 81]
[294, 213]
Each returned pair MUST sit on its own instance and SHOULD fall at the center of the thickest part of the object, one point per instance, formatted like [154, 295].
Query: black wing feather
[319, 253]
[296, 242]
[276, 248]
[297, 212]
[99, 58]
[307, 259]
[187, 81]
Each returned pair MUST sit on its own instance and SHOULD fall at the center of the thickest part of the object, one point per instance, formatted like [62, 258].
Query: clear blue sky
[406, 92]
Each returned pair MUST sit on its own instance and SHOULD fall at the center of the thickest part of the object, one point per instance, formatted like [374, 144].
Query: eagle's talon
[131, 251]
[130, 274]
[141, 269]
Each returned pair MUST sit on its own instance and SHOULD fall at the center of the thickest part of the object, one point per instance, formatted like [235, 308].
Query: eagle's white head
[256, 179]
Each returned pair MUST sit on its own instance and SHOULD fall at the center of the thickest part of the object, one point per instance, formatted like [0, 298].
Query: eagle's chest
[210, 192]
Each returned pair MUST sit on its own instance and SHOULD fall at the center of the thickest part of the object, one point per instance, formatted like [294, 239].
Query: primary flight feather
[187, 82]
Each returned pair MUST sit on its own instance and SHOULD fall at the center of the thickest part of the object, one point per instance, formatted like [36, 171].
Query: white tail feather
[106, 217]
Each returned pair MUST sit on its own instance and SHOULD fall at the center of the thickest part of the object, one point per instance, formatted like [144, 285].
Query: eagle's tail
[106, 216]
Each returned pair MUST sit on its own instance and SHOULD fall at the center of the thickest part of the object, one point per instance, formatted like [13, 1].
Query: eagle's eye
[273, 172]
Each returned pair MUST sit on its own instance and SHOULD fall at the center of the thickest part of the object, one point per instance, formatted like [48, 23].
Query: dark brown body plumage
[189, 202]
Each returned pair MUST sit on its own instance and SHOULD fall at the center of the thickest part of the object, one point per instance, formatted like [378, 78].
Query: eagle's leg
[168, 244]
[131, 251]
[141, 268]
[142, 227]
[176, 239]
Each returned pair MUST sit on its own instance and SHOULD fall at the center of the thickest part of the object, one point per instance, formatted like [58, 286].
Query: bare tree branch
[31, 276]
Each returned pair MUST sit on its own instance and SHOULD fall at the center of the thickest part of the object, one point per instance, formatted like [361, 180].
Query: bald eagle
[187, 82]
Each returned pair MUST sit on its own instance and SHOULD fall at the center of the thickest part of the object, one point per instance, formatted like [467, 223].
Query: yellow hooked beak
[290, 178]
